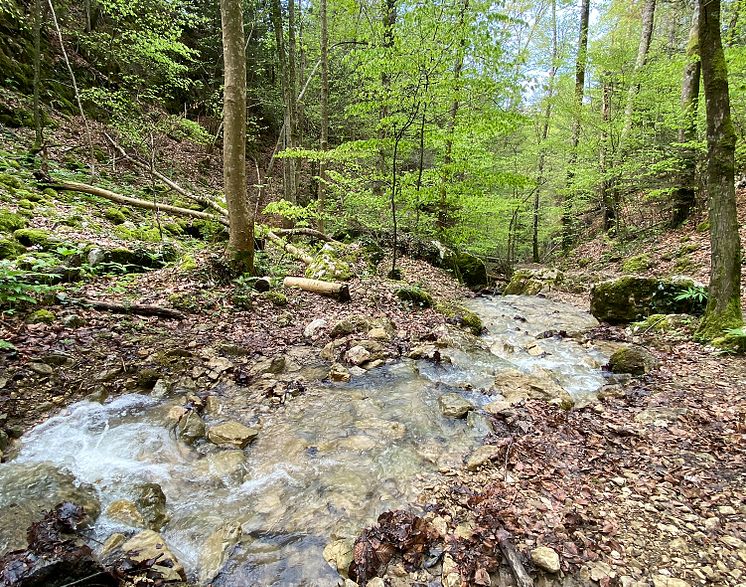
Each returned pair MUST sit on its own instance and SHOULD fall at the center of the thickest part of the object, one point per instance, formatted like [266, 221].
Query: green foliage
[695, 294]
[20, 287]
[299, 215]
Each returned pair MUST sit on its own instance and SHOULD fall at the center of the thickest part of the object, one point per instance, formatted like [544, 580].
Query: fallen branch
[120, 199]
[294, 251]
[137, 309]
[169, 182]
[304, 232]
[340, 291]
[522, 578]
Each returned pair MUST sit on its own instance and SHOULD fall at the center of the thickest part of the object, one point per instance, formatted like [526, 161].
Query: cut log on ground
[137, 309]
[340, 291]
[126, 200]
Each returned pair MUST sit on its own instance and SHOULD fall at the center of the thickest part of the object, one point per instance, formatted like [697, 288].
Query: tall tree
[241, 222]
[684, 196]
[581, 62]
[323, 107]
[724, 302]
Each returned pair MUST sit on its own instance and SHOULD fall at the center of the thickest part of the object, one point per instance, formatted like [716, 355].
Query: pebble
[546, 558]
[41, 369]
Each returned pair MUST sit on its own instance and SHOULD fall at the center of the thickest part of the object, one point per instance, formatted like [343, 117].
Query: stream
[323, 466]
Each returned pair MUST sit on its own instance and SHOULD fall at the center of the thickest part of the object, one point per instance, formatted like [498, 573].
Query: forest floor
[645, 486]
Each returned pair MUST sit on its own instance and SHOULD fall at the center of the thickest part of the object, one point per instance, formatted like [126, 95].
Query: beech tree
[724, 303]
[240, 217]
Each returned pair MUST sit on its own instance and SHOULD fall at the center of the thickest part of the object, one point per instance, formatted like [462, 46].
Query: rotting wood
[294, 251]
[340, 291]
[137, 309]
[522, 578]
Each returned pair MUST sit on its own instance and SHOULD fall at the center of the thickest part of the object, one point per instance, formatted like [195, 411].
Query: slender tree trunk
[608, 203]
[452, 115]
[294, 125]
[324, 107]
[684, 198]
[282, 64]
[724, 302]
[38, 119]
[580, 65]
[389, 21]
[646, 35]
[241, 224]
[544, 136]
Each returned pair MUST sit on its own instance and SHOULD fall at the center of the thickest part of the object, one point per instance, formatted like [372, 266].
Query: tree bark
[724, 302]
[324, 108]
[580, 65]
[646, 34]
[38, 119]
[240, 217]
[608, 202]
[684, 198]
[340, 291]
[293, 121]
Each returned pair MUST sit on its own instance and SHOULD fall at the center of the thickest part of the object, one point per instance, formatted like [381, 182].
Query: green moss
[276, 297]
[461, 316]
[415, 295]
[187, 263]
[633, 360]
[684, 264]
[49, 192]
[714, 324]
[664, 323]
[637, 264]
[127, 232]
[185, 301]
[10, 249]
[10, 221]
[10, 181]
[41, 317]
[115, 215]
[173, 228]
[74, 220]
[26, 204]
[703, 226]
[30, 237]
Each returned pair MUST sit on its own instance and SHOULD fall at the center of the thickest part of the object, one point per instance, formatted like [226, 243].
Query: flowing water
[324, 465]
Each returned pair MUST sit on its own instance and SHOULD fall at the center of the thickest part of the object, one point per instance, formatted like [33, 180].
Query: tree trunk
[241, 222]
[389, 21]
[452, 114]
[544, 136]
[293, 123]
[608, 203]
[684, 198]
[38, 120]
[724, 302]
[340, 291]
[324, 108]
[580, 65]
[646, 34]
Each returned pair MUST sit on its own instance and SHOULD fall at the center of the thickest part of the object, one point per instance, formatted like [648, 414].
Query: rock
[415, 295]
[175, 413]
[72, 321]
[481, 456]
[215, 551]
[28, 491]
[212, 405]
[232, 434]
[635, 360]
[269, 366]
[160, 389]
[112, 544]
[332, 263]
[313, 328]
[227, 464]
[149, 545]
[41, 369]
[191, 427]
[452, 405]
[516, 386]
[125, 512]
[151, 503]
[147, 378]
[374, 582]
[663, 581]
[497, 407]
[461, 316]
[4, 439]
[219, 364]
[468, 268]
[56, 358]
[628, 299]
[450, 575]
[726, 510]
[546, 558]
[41, 317]
[357, 355]
[350, 325]
[379, 333]
[339, 373]
[530, 282]
[357, 371]
[339, 556]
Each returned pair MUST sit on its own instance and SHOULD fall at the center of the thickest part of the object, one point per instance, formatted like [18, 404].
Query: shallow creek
[324, 465]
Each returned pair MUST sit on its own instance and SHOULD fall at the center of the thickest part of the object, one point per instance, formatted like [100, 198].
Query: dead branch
[294, 251]
[126, 200]
[169, 182]
[304, 232]
[137, 309]
[340, 291]
[522, 578]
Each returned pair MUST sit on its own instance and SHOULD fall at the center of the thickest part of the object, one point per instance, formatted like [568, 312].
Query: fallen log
[294, 251]
[304, 232]
[137, 309]
[522, 578]
[340, 291]
[128, 201]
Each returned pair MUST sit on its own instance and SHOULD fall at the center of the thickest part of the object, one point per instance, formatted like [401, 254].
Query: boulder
[631, 298]
[481, 456]
[151, 503]
[632, 359]
[339, 556]
[350, 325]
[516, 386]
[149, 545]
[314, 327]
[339, 373]
[125, 512]
[357, 355]
[232, 434]
[415, 295]
[334, 262]
[452, 405]
[546, 558]
[530, 282]
[191, 427]
[27, 491]
[215, 551]
[468, 268]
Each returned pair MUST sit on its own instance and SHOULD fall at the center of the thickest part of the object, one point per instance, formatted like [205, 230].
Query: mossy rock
[531, 282]
[468, 268]
[185, 302]
[10, 221]
[665, 323]
[332, 263]
[415, 295]
[115, 215]
[637, 264]
[41, 317]
[129, 260]
[277, 298]
[30, 237]
[26, 204]
[173, 228]
[11, 181]
[730, 343]
[634, 360]
[50, 193]
[9, 249]
[461, 316]
[129, 232]
[630, 298]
